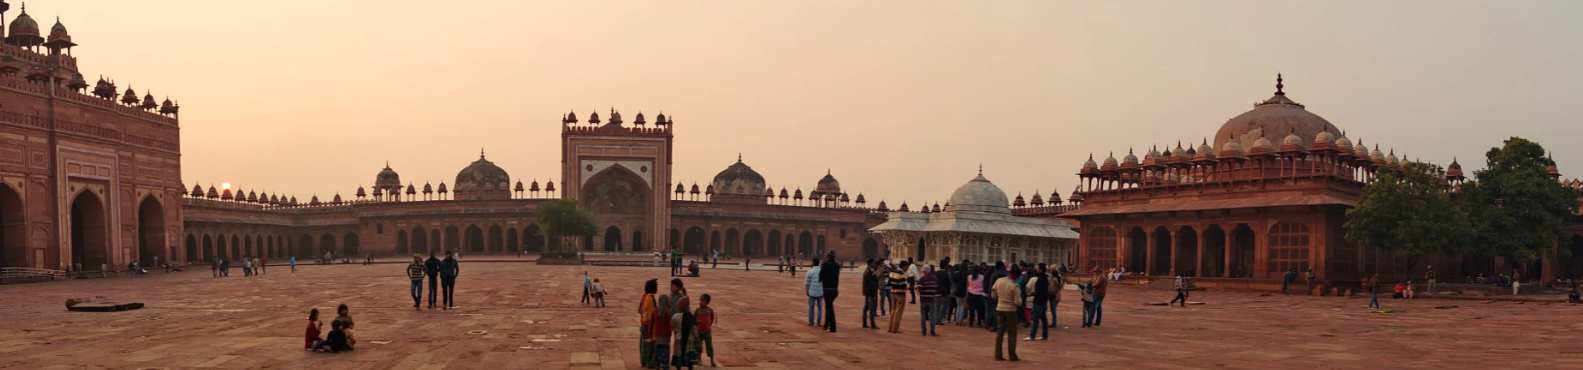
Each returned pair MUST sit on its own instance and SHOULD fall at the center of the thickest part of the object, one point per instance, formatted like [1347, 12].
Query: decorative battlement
[613, 126]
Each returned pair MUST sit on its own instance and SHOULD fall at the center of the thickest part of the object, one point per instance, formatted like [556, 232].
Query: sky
[901, 100]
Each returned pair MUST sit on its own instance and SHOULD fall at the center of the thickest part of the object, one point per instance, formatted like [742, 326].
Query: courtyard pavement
[522, 315]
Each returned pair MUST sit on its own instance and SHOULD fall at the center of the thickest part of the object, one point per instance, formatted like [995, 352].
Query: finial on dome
[739, 157]
[480, 152]
[1279, 85]
[981, 167]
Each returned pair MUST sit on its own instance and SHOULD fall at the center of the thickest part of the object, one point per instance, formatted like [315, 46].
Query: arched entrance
[1214, 252]
[350, 245]
[208, 249]
[752, 243]
[453, 239]
[714, 242]
[327, 245]
[923, 251]
[693, 241]
[401, 242]
[151, 232]
[1137, 251]
[475, 239]
[420, 240]
[637, 241]
[612, 239]
[775, 243]
[13, 237]
[496, 240]
[870, 249]
[511, 240]
[89, 229]
[1242, 251]
[1162, 252]
[304, 247]
[819, 246]
[192, 249]
[733, 243]
[676, 239]
[1187, 251]
[236, 247]
[805, 244]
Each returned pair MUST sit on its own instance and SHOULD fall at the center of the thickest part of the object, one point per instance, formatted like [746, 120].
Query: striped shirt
[415, 271]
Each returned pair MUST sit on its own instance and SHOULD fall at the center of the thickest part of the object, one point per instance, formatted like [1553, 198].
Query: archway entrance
[327, 245]
[1214, 252]
[805, 244]
[775, 243]
[89, 242]
[1187, 251]
[350, 245]
[496, 239]
[13, 238]
[475, 239]
[1242, 251]
[420, 240]
[612, 239]
[453, 239]
[151, 232]
[752, 243]
[1162, 252]
[733, 243]
[208, 249]
[534, 239]
[1137, 251]
[693, 241]
[192, 249]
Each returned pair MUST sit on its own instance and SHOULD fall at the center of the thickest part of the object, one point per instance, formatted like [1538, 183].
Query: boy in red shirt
[706, 321]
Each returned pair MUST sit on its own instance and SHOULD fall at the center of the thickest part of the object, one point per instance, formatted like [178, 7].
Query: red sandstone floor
[528, 317]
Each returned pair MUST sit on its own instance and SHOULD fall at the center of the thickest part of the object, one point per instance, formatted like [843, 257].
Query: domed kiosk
[482, 180]
[738, 183]
[977, 226]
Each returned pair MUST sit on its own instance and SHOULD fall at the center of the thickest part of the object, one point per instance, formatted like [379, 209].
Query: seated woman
[1399, 291]
[1409, 292]
[692, 269]
[338, 340]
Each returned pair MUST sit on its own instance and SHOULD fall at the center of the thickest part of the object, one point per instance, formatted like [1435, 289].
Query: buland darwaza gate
[1269, 195]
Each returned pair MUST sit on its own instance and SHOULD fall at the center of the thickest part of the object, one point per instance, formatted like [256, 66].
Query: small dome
[1018, 201]
[1454, 171]
[979, 195]
[1261, 146]
[1344, 145]
[1362, 151]
[1089, 166]
[428, 188]
[1377, 156]
[482, 180]
[24, 30]
[1129, 161]
[1291, 143]
[1204, 151]
[738, 178]
[1324, 138]
[58, 37]
[361, 192]
[387, 178]
[1110, 163]
[828, 184]
[1037, 200]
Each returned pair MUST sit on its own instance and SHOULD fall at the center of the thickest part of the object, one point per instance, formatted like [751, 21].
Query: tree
[1408, 211]
[1517, 210]
[561, 219]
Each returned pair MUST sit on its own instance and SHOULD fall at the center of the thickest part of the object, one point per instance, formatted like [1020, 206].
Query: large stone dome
[24, 30]
[482, 180]
[739, 178]
[1274, 119]
[979, 195]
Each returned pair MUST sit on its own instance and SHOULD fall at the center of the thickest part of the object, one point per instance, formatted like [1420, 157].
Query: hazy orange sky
[901, 99]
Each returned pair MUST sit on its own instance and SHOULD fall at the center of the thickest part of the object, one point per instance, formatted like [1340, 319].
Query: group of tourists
[442, 276]
[672, 333]
[822, 286]
[340, 337]
[251, 266]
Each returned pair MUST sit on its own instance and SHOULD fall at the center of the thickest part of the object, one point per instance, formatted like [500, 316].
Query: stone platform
[523, 315]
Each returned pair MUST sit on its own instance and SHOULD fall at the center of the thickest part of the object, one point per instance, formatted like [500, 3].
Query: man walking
[1008, 298]
[928, 289]
[293, 264]
[1373, 285]
[829, 279]
[415, 274]
[1429, 276]
[449, 269]
[870, 292]
[431, 267]
[1181, 291]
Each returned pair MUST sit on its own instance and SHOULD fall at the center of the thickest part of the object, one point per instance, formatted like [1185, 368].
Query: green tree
[1517, 210]
[561, 219]
[1408, 211]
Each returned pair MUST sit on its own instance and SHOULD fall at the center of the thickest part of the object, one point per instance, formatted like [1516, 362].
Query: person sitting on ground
[310, 338]
[1408, 293]
[692, 269]
[1399, 291]
[340, 339]
[599, 293]
[343, 316]
[1575, 297]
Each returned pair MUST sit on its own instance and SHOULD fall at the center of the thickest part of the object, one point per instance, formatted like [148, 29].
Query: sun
[225, 186]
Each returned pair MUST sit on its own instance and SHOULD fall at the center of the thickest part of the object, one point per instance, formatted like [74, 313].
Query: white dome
[979, 195]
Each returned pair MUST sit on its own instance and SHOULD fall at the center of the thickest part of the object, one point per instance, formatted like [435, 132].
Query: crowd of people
[672, 334]
[251, 266]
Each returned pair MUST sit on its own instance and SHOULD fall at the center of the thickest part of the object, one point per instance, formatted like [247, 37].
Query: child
[685, 325]
[1088, 303]
[706, 322]
[598, 293]
[338, 340]
[661, 332]
[311, 336]
[343, 318]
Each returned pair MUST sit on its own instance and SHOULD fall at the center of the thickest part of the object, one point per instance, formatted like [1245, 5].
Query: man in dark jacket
[959, 285]
[830, 279]
[870, 295]
[431, 267]
[449, 269]
[943, 287]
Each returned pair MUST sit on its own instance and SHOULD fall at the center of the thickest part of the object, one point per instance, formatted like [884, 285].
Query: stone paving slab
[522, 315]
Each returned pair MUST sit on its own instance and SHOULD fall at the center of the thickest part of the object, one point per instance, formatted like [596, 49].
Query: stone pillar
[1227, 248]
[1176, 247]
[1203, 241]
[1148, 252]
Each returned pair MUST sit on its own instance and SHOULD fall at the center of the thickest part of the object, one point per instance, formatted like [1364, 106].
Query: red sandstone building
[89, 180]
[1268, 196]
[620, 172]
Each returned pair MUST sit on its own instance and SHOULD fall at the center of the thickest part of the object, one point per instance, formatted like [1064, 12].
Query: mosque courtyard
[523, 315]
